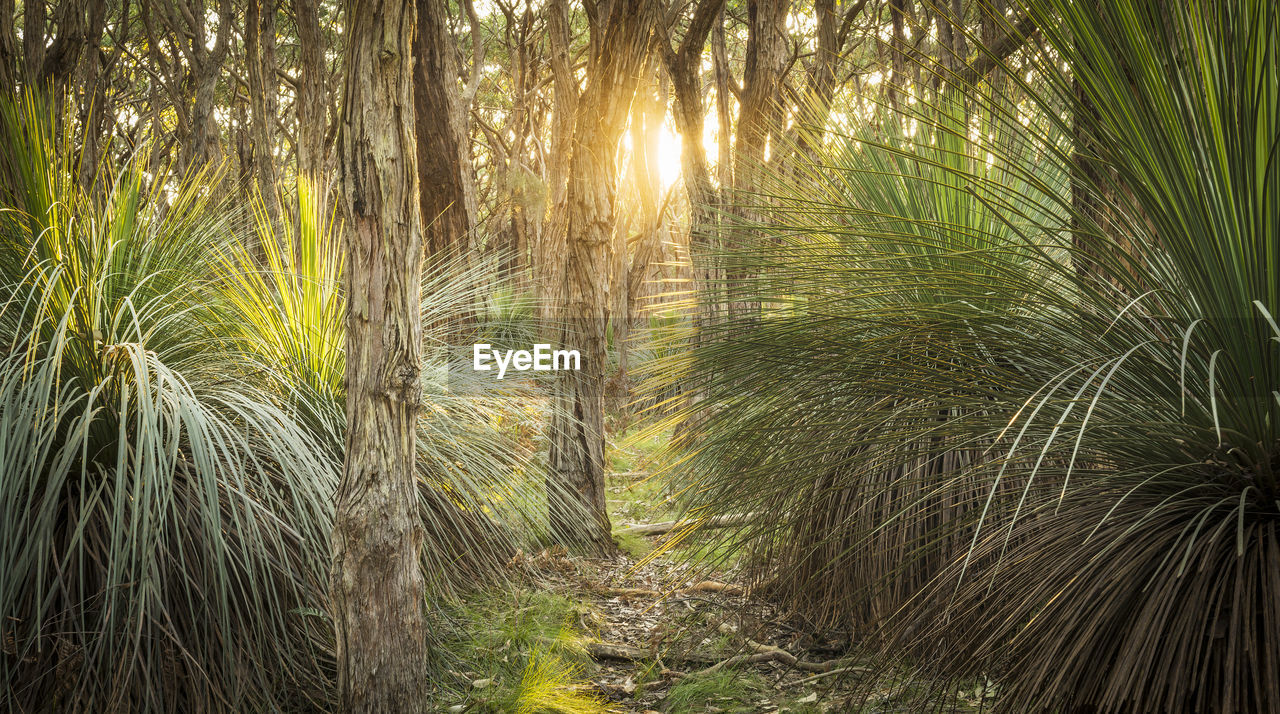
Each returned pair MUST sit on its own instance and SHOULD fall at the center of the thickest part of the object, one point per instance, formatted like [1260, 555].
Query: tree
[312, 97]
[260, 55]
[444, 157]
[619, 42]
[684, 64]
[377, 582]
[189, 26]
[759, 120]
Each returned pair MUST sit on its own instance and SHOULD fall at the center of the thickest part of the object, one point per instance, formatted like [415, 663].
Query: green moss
[633, 545]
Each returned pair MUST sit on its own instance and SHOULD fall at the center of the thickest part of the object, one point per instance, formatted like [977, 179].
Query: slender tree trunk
[33, 39]
[8, 48]
[444, 156]
[897, 51]
[260, 54]
[758, 119]
[549, 259]
[377, 583]
[724, 116]
[93, 98]
[619, 41]
[684, 65]
[805, 135]
[312, 99]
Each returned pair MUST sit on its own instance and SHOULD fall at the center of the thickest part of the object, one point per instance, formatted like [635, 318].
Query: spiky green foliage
[1044, 439]
[860, 385]
[283, 290]
[163, 520]
[171, 431]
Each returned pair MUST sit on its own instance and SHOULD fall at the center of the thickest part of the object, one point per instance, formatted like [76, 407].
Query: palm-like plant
[164, 518]
[171, 430]
[283, 303]
[845, 405]
[1048, 435]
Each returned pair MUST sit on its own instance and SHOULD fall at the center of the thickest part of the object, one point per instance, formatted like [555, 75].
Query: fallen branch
[772, 654]
[766, 653]
[726, 521]
[627, 653]
[828, 673]
[706, 586]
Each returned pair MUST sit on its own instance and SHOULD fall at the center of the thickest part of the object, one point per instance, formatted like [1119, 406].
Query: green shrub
[1004, 432]
[165, 519]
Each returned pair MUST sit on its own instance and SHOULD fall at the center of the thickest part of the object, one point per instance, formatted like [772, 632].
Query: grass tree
[1062, 477]
[163, 518]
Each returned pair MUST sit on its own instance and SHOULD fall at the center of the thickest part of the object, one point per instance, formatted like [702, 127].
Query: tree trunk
[377, 583]
[897, 51]
[549, 258]
[684, 66]
[724, 117]
[620, 36]
[93, 98]
[312, 100]
[758, 119]
[444, 155]
[200, 145]
[8, 48]
[260, 55]
[33, 39]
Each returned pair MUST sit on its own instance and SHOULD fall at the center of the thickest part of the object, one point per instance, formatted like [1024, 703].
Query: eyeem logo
[541, 359]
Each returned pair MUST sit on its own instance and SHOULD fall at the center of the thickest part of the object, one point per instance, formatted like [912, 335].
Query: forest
[648, 356]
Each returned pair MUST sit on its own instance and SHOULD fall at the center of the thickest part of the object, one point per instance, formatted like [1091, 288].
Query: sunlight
[664, 154]
[667, 156]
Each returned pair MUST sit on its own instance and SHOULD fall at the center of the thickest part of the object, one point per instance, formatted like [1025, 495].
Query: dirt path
[669, 636]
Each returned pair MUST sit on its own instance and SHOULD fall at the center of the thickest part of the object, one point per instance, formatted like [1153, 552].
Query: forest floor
[677, 632]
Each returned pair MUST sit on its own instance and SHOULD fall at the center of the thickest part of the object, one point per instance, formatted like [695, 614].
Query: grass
[726, 691]
[520, 651]
[639, 495]
[635, 496]
[738, 691]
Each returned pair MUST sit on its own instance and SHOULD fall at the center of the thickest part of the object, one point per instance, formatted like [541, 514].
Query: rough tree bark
[312, 99]
[377, 581]
[88, 77]
[550, 250]
[444, 155]
[759, 119]
[8, 48]
[620, 36]
[33, 39]
[760, 112]
[260, 55]
[684, 65]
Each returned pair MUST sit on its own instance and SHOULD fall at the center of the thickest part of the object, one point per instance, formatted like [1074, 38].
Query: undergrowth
[521, 651]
